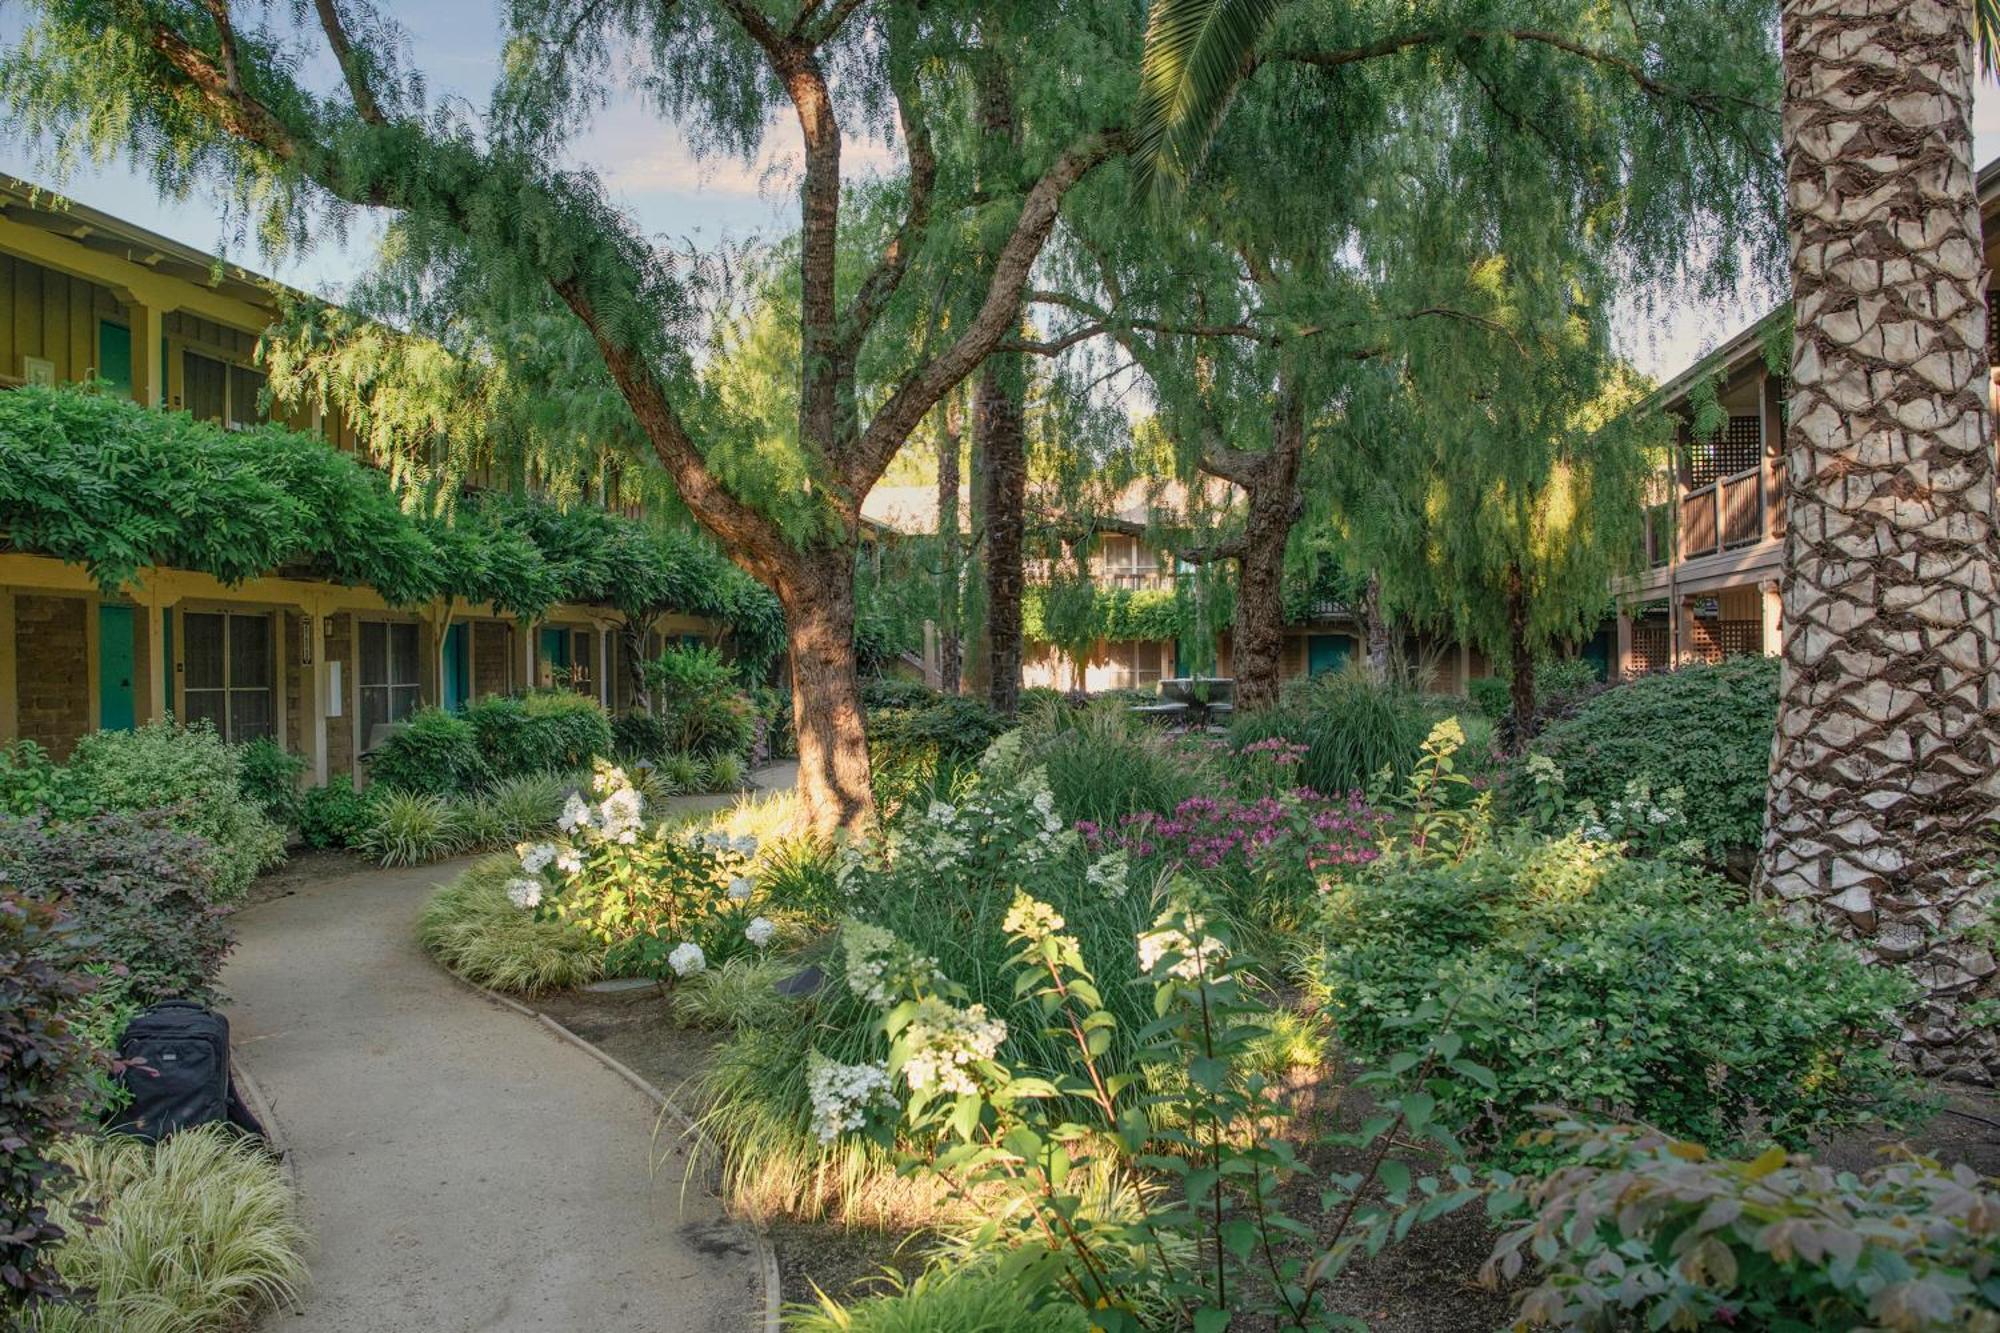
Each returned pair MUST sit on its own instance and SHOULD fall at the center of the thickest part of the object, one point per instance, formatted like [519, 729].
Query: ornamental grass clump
[473, 927]
[412, 829]
[665, 901]
[200, 1232]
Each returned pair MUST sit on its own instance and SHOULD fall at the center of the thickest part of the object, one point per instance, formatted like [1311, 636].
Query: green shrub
[1102, 763]
[1491, 695]
[195, 774]
[435, 753]
[411, 829]
[478, 823]
[476, 931]
[31, 781]
[138, 892]
[638, 735]
[271, 778]
[962, 1299]
[1612, 986]
[337, 815]
[925, 750]
[49, 1062]
[701, 707]
[1353, 729]
[544, 731]
[1704, 729]
[200, 1232]
[880, 692]
[1646, 1232]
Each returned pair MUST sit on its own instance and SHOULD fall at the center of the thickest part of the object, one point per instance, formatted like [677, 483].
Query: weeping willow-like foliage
[97, 480]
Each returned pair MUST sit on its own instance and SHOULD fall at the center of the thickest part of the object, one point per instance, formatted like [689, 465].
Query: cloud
[672, 166]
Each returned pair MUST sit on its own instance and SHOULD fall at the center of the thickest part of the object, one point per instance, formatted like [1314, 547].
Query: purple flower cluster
[1281, 751]
[1209, 833]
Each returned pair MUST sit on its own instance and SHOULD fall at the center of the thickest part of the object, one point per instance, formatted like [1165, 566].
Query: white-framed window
[1126, 562]
[1132, 666]
[391, 680]
[228, 672]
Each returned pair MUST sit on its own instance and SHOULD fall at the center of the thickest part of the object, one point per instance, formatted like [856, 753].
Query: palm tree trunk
[1885, 772]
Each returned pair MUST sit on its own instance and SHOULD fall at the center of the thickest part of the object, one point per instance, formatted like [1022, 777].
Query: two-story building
[1325, 638]
[322, 668]
[1715, 521]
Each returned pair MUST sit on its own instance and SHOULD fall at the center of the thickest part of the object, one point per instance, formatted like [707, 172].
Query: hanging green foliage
[94, 479]
[1114, 615]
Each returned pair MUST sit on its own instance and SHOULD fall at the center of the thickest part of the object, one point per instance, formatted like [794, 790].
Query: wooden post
[1774, 618]
[10, 697]
[1684, 633]
[1621, 665]
[149, 327]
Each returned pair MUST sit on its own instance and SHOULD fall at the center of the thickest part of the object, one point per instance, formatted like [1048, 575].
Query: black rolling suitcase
[180, 1072]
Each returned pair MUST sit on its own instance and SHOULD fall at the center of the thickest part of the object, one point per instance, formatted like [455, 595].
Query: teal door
[114, 668]
[1327, 652]
[457, 685]
[555, 651]
[114, 355]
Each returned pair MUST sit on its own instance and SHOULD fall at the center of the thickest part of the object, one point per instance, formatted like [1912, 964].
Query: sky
[650, 169]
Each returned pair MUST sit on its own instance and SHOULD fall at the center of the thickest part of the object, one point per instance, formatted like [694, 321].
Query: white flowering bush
[664, 901]
[1036, 1131]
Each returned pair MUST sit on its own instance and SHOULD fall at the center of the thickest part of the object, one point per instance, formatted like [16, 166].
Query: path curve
[463, 1167]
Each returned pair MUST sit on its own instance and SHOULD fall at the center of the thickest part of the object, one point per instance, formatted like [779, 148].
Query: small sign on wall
[38, 370]
[336, 697]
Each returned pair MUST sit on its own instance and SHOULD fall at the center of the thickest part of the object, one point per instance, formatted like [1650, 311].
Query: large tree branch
[351, 66]
[887, 275]
[997, 313]
[1612, 60]
[753, 540]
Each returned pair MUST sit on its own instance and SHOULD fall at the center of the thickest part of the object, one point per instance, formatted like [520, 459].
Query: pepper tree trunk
[1885, 770]
[1520, 657]
[949, 576]
[1270, 482]
[998, 424]
[1375, 628]
[817, 591]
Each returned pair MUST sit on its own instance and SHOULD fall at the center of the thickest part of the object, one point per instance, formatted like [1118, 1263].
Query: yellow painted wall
[52, 316]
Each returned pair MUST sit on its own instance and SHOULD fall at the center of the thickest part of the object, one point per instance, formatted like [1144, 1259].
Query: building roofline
[94, 223]
[1731, 354]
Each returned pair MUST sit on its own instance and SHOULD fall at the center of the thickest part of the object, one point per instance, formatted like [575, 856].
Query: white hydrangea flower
[575, 815]
[942, 1042]
[569, 860]
[525, 894]
[607, 780]
[741, 887]
[1201, 955]
[941, 812]
[715, 840]
[760, 931]
[1036, 920]
[686, 959]
[1107, 874]
[536, 856]
[842, 1095]
[746, 845]
[880, 966]
[623, 812]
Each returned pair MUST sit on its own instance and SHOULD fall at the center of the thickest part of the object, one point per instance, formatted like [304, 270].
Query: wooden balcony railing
[1698, 523]
[1742, 499]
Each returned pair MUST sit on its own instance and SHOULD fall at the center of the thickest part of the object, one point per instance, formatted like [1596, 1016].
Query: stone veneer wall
[52, 670]
[491, 646]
